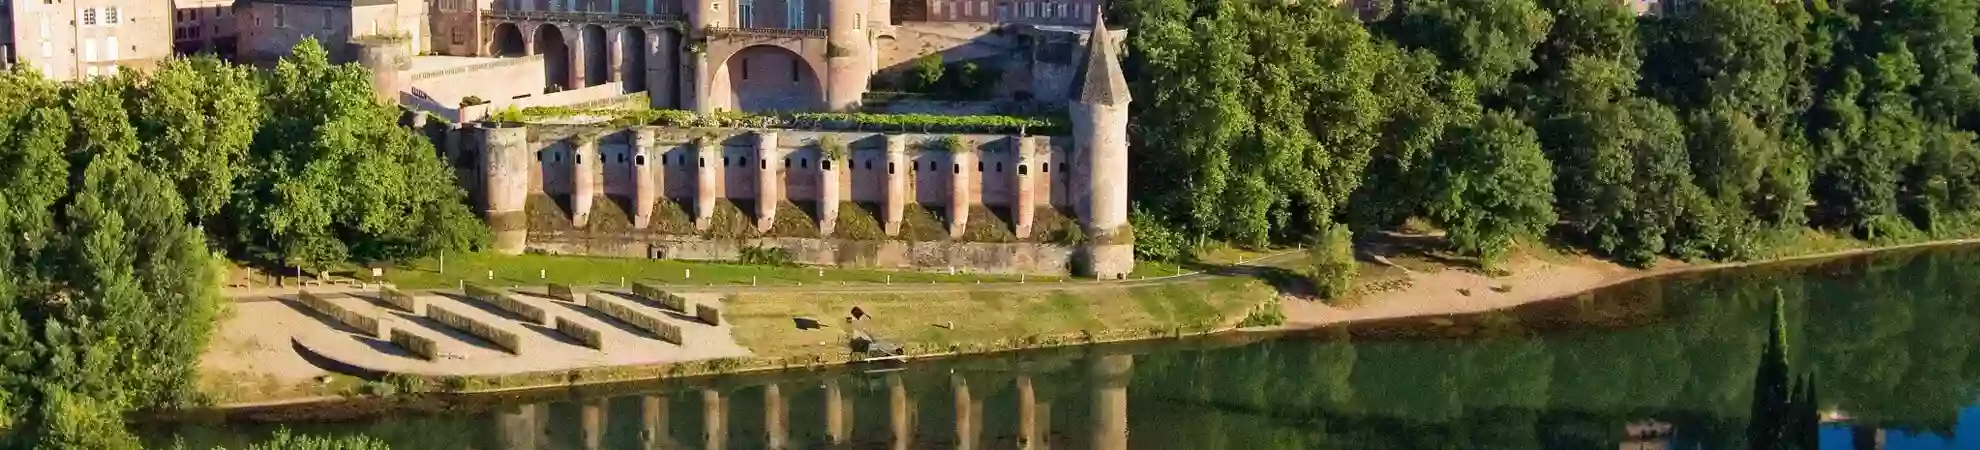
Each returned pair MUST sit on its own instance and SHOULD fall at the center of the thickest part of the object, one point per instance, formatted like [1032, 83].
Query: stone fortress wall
[642, 170]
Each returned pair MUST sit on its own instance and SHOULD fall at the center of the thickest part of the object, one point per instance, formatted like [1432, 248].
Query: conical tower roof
[1103, 83]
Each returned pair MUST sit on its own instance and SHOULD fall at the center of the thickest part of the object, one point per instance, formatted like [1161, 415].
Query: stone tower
[1099, 115]
[848, 52]
[388, 63]
[505, 169]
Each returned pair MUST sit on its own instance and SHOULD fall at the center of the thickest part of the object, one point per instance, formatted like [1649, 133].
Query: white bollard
[542, 274]
[752, 281]
[491, 275]
[687, 274]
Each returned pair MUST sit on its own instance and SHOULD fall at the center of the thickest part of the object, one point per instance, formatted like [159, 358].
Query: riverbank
[947, 321]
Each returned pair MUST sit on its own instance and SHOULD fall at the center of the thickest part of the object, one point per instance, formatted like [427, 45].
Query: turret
[388, 62]
[1099, 115]
[505, 169]
[847, 54]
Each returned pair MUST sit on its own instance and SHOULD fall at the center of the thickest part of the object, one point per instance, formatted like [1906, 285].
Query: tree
[334, 178]
[1333, 261]
[1489, 40]
[196, 118]
[1492, 187]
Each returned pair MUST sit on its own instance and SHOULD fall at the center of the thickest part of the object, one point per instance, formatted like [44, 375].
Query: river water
[1892, 339]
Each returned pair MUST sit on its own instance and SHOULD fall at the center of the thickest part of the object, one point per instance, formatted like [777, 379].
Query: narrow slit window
[725, 161]
[1021, 171]
[703, 162]
[1045, 167]
[957, 169]
[639, 160]
[787, 163]
[979, 166]
[890, 167]
[869, 164]
[557, 157]
[1000, 167]
[804, 163]
[763, 164]
[825, 164]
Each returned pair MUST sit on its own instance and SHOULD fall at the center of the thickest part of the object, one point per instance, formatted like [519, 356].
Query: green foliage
[472, 100]
[833, 148]
[927, 73]
[195, 119]
[336, 179]
[928, 123]
[285, 440]
[509, 115]
[1493, 188]
[766, 256]
[1155, 240]
[1270, 314]
[1334, 266]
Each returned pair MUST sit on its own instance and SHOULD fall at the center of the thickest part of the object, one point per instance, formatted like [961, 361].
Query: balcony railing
[585, 17]
[766, 32]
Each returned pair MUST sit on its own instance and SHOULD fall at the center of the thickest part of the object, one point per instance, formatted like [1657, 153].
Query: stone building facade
[205, 26]
[270, 28]
[68, 40]
[583, 167]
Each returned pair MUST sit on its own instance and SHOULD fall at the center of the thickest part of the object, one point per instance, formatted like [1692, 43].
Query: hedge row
[401, 300]
[590, 337]
[367, 324]
[641, 320]
[562, 292]
[419, 345]
[508, 341]
[508, 303]
[708, 314]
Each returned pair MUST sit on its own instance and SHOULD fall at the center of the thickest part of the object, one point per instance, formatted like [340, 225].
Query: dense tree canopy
[110, 188]
[1700, 131]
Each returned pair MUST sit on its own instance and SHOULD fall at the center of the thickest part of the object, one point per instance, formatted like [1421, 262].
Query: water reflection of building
[822, 413]
[1648, 435]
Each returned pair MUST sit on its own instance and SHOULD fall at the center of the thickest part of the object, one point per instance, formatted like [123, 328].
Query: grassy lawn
[987, 319]
[583, 270]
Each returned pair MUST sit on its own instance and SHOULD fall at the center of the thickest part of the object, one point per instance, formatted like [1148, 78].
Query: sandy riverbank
[1455, 291]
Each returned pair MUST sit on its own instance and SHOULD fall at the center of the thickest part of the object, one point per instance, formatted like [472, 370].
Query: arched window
[1021, 171]
[639, 160]
[1045, 167]
[890, 168]
[825, 164]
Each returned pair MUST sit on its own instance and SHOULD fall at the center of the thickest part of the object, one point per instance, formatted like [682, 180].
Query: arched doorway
[597, 56]
[632, 45]
[556, 56]
[508, 41]
[768, 78]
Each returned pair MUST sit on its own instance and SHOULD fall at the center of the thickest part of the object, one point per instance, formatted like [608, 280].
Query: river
[1889, 338]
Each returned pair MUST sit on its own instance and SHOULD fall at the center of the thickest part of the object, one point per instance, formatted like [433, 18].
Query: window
[89, 50]
[787, 163]
[956, 168]
[110, 44]
[556, 156]
[979, 166]
[110, 15]
[869, 164]
[47, 50]
[703, 162]
[890, 167]
[935, 7]
[745, 13]
[622, 158]
[577, 158]
[281, 17]
[804, 163]
[641, 160]
[762, 164]
[455, 35]
[825, 164]
[1045, 167]
[539, 156]
[1022, 171]
[44, 25]
[89, 17]
[1000, 167]
[858, 19]
[725, 161]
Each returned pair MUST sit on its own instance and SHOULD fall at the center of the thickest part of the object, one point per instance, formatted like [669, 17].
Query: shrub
[927, 75]
[509, 115]
[472, 101]
[1154, 240]
[1270, 314]
[766, 256]
[1334, 267]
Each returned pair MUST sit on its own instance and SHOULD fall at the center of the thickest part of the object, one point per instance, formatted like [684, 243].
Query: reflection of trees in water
[1865, 325]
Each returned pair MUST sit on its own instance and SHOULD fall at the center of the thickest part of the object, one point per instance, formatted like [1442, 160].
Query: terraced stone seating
[508, 302]
[618, 310]
[364, 323]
